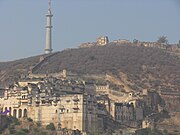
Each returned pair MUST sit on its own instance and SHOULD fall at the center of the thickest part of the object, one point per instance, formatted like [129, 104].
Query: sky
[22, 23]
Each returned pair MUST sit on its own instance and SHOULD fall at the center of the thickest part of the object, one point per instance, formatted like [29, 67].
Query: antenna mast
[49, 5]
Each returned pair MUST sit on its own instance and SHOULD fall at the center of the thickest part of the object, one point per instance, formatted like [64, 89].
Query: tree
[145, 131]
[165, 132]
[162, 40]
[178, 44]
[135, 41]
[30, 120]
[50, 126]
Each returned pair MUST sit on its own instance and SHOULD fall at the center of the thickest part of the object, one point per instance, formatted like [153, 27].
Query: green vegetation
[8, 122]
[162, 40]
[38, 124]
[50, 126]
[42, 133]
[12, 129]
[148, 131]
[25, 130]
[92, 58]
[13, 126]
[29, 119]
[165, 132]
[20, 133]
[135, 41]
[178, 44]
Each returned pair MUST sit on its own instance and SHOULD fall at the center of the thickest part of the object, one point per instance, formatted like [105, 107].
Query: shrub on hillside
[50, 126]
[29, 119]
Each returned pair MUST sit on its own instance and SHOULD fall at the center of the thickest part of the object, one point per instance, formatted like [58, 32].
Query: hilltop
[125, 68]
[145, 67]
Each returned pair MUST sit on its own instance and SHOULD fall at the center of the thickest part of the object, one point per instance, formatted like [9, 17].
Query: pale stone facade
[122, 107]
[16, 102]
[102, 40]
[122, 41]
[102, 89]
[66, 105]
[88, 44]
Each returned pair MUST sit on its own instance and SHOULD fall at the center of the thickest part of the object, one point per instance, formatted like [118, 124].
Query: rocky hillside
[150, 68]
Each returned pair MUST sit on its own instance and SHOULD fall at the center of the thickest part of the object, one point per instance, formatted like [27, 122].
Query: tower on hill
[49, 15]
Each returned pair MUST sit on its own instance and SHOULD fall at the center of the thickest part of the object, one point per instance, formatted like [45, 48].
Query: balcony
[24, 100]
[16, 105]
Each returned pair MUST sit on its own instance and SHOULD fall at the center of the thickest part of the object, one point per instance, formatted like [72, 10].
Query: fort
[63, 102]
[102, 41]
[75, 104]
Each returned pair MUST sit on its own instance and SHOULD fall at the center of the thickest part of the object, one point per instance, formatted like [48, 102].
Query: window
[20, 113]
[61, 110]
[25, 113]
[68, 101]
[43, 102]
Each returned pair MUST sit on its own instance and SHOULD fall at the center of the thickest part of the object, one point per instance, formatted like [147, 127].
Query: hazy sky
[22, 23]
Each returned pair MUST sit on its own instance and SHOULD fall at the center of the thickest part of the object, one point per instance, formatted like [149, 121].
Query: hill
[146, 68]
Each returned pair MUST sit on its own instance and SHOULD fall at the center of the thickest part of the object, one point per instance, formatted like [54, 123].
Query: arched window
[10, 111]
[20, 113]
[14, 113]
[25, 113]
